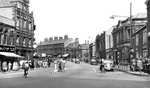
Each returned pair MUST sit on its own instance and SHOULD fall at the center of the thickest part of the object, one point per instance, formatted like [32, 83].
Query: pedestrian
[9, 66]
[139, 64]
[64, 64]
[60, 63]
[15, 66]
[26, 68]
[49, 62]
[4, 66]
[133, 64]
[102, 69]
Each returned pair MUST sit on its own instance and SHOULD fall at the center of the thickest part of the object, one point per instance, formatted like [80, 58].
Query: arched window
[17, 40]
[29, 42]
[24, 41]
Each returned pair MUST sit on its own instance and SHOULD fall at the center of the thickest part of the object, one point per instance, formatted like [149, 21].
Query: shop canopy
[10, 54]
[65, 55]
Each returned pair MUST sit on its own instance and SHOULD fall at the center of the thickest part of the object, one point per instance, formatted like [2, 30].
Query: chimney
[55, 38]
[66, 37]
[60, 38]
[51, 39]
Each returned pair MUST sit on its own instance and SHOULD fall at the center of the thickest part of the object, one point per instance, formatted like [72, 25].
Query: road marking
[94, 69]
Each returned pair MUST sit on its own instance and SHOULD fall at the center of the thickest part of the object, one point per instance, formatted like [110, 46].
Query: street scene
[81, 75]
[74, 44]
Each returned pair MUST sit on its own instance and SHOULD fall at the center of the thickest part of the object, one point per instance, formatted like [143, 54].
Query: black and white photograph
[75, 44]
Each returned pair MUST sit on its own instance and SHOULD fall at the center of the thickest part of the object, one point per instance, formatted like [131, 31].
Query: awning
[10, 54]
[65, 55]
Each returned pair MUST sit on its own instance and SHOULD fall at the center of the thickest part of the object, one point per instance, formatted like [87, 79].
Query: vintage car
[109, 65]
[77, 60]
[93, 62]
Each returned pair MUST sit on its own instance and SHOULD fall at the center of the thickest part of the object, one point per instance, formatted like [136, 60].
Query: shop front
[7, 58]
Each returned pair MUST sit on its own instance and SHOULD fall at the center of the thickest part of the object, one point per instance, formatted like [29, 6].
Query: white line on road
[94, 69]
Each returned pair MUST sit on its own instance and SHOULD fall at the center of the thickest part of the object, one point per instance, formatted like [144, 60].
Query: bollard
[55, 66]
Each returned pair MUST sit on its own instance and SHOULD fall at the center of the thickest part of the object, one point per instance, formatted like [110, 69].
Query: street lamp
[113, 16]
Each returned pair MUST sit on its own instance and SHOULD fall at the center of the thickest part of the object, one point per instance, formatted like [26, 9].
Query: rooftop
[55, 41]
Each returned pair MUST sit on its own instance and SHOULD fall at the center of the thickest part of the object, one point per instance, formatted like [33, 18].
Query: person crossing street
[26, 68]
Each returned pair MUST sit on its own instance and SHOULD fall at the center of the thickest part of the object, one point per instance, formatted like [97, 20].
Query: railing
[135, 68]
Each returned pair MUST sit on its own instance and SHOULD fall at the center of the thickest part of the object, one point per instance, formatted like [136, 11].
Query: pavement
[21, 70]
[122, 69]
[126, 70]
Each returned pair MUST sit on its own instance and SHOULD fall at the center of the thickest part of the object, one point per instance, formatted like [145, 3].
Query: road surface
[81, 75]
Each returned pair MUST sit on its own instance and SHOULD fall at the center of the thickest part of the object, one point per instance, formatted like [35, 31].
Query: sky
[83, 19]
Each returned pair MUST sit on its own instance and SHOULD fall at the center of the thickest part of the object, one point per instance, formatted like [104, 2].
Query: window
[24, 24]
[117, 38]
[29, 42]
[17, 21]
[24, 41]
[137, 54]
[12, 40]
[20, 23]
[145, 36]
[128, 33]
[0, 38]
[144, 53]
[17, 40]
[5, 39]
[29, 26]
[137, 40]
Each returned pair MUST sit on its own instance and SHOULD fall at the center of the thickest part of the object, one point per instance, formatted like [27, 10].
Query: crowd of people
[141, 64]
[17, 65]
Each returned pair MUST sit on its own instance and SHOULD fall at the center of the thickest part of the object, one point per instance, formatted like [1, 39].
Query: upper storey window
[19, 5]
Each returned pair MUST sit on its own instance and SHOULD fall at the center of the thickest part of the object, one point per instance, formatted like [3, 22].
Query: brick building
[74, 49]
[100, 46]
[139, 35]
[148, 26]
[54, 47]
[121, 37]
[18, 10]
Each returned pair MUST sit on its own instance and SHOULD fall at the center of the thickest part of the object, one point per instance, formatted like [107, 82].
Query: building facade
[139, 36]
[7, 39]
[18, 10]
[54, 47]
[121, 37]
[100, 46]
[148, 26]
[109, 43]
[74, 49]
[85, 51]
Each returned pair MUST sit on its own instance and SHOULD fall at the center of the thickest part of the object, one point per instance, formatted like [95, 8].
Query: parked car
[109, 65]
[93, 62]
[77, 60]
